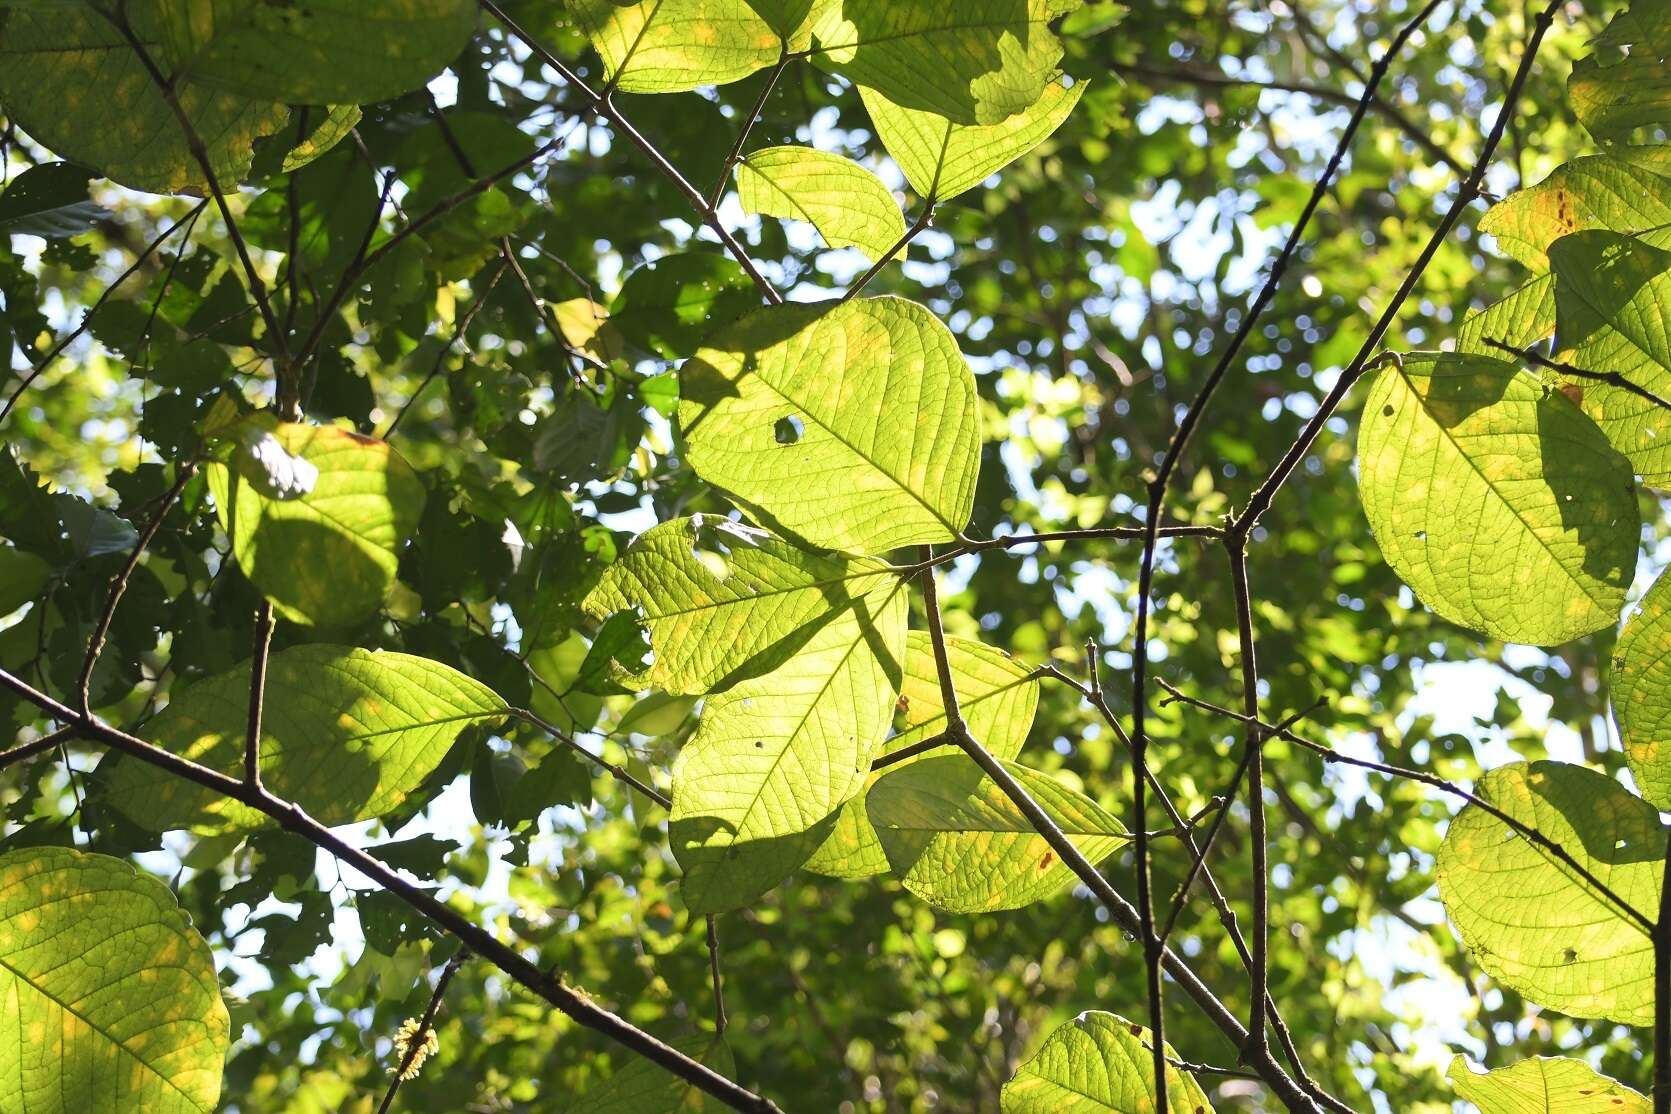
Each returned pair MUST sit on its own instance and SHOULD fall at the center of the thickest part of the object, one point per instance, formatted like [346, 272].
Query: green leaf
[317, 516]
[671, 46]
[1098, 1063]
[1544, 1085]
[852, 425]
[668, 306]
[642, 1086]
[1531, 922]
[112, 1005]
[997, 696]
[69, 78]
[724, 602]
[347, 734]
[1519, 319]
[321, 52]
[49, 200]
[1626, 190]
[942, 159]
[1611, 296]
[958, 842]
[971, 61]
[1614, 91]
[1498, 502]
[759, 786]
[849, 205]
[1641, 692]
[333, 129]
[22, 576]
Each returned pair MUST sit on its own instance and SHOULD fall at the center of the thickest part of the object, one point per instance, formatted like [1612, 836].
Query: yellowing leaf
[957, 841]
[347, 734]
[111, 1004]
[1611, 296]
[942, 159]
[670, 46]
[1641, 691]
[849, 205]
[971, 61]
[318, 52]
[850, 425]
[1530, 921]
[1544, 1085]
[69, 78]
[1498, 502]
[758, 788]
[1628, 189]
[723, 602]
[1098, 1063]
[997, 696]
[317, 516]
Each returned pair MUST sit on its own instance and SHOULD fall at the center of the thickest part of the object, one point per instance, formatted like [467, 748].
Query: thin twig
[257, 692]
[1612, 378]
[1236, 550]
[716, 975]
[24, 751]
[459, 331]
[736, 153]
[924, 219]
[617, 772]
[415, 1043]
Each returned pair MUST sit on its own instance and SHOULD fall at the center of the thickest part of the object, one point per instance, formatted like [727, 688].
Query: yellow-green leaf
[942, 159]
[69, 78]
[347, 734]
[1098, 1063]
[1612, 293]
[1641, 691]
[1628, 189]
[317, 516]
[723, 602]
[1626, 84]
[850, 425]
[758, 788]
[1544, 1085]
[108, 998]
[849, 205]
[1519, 319]
[1534, 924]
[1496, 500]
[997, 696]
[971, 61]
[957, 841]
[318, 52]
[670, 46]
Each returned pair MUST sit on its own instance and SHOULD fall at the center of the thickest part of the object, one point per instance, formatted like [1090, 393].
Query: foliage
[797, 554]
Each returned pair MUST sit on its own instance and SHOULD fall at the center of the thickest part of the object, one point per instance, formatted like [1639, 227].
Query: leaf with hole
[317, 517]
[942, 159]
[956, 840]
[849, 205]
[997, 696]
[1098, 1063]
[888, 441]
[1529, 920]
[112, 1004]
[759, 786]
[724, 602]
[1544, 1085]
[346, 734]
[1496, 500]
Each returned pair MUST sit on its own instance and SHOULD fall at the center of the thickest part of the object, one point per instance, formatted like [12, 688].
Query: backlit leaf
[957, 841]
[851, 425]
[1497, 501]
[1544, 1085]
[669, 46]
[111, 1000]
[1626, 190]
[347, 734]
[724, 602]
[759, 786]
[1616, 91]
[317, 516]
[1098, 1063]
[667, 306]
[1641, 692]
[1530, 921]
[849, 205]
[997, 696]
[642, 1086]
[942, 159]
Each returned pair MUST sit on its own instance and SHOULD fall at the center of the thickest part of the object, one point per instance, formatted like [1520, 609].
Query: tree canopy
[777, 555]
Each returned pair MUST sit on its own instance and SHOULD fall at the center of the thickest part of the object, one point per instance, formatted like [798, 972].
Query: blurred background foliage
[1091, 286]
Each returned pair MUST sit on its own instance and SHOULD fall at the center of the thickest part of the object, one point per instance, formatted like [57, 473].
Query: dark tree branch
[924, 219]
[1662, 994]
[736, 153]
[716, 975]
[518, 967]
[1612, 378]
[1254, 760]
